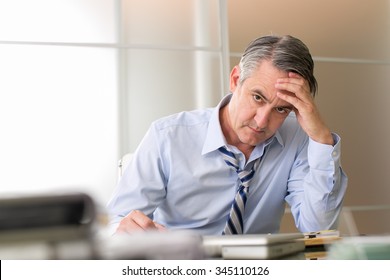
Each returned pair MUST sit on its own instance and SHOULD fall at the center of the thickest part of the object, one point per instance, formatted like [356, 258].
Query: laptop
[253, 246]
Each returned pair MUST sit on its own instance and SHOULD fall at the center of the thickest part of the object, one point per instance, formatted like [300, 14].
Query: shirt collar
[215, 138]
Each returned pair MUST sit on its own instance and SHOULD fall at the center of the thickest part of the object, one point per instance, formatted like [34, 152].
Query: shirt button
[334, 154]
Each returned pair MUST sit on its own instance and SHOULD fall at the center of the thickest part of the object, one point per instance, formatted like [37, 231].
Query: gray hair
[287, 53]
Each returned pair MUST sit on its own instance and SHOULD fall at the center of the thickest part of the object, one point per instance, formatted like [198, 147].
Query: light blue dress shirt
[179, 179]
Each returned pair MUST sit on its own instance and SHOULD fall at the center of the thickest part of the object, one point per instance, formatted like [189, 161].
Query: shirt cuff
[324, 157]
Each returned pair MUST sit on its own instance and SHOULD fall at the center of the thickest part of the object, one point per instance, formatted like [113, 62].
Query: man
[184, 174]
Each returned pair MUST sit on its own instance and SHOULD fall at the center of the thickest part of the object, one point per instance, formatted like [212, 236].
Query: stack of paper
[317, 243]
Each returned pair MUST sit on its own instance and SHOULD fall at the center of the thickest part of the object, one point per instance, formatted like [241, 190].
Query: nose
[262, 118]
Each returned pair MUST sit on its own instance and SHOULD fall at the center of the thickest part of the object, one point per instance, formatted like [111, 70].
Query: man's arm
[316, 198]
[139, 190]
[317, 186]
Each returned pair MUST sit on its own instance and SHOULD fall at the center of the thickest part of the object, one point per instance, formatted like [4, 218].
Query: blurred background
[81, 81]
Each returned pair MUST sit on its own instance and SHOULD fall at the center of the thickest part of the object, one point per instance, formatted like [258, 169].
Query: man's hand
[295, 90]
[138, 221]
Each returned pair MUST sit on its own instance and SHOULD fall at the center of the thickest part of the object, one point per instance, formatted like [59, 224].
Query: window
[83, 79]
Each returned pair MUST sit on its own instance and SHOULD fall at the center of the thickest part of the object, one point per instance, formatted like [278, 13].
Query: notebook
[253, 246]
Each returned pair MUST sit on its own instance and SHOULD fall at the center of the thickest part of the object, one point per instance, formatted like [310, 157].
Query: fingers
[294, 89]
[160, 227]
[138, 221]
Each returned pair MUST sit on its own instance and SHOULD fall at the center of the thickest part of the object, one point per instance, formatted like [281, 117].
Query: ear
[234, 78]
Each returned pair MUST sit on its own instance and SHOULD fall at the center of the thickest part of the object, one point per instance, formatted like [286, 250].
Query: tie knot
[231, 160]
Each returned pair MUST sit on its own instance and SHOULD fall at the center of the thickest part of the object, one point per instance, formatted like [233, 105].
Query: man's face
[255, 112]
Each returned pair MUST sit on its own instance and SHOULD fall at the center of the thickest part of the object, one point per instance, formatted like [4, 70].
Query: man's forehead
[277, 102]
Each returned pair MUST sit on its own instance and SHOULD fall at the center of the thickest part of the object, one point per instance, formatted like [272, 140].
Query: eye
[257, 98]
[283, 110]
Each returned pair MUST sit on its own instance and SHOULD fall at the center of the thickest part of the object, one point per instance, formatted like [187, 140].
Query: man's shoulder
[184, 119]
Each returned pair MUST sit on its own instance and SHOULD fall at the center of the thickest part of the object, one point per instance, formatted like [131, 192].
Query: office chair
[123, 163]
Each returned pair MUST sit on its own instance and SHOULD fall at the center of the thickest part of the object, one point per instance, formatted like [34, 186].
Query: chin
[251, 141]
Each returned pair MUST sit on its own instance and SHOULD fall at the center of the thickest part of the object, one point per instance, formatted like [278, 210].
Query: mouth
[257, 130]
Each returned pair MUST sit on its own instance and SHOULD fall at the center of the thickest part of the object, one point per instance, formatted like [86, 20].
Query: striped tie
[234, 224]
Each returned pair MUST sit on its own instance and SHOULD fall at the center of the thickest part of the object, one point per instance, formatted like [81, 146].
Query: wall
[350, 43]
